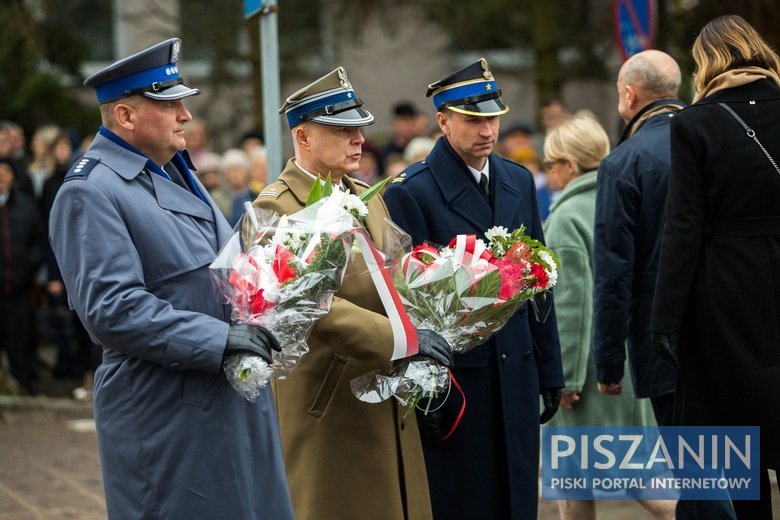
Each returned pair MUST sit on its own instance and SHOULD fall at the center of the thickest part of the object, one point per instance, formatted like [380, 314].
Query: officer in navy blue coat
[134, 232]
[488, 468]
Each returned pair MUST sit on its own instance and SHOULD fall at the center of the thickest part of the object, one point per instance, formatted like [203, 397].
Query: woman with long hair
[718, 289]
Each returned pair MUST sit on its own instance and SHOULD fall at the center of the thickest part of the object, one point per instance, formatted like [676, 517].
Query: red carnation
[258, 303]
[538, 272]
[511, 278]
[282, 264]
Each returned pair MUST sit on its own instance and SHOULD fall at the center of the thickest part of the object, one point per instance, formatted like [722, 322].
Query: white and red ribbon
[404, 334]
[463, 244]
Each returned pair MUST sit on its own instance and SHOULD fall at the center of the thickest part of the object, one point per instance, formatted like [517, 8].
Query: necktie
[483, 185]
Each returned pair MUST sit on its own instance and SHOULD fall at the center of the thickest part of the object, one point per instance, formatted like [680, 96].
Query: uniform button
[504, 357]
[527, 354]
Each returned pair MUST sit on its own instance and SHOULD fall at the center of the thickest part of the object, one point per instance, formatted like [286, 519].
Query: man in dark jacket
[630, 199]
[21, 241]
[488, 467]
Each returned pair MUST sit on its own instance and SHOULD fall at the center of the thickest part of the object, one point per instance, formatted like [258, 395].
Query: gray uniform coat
[176, 441]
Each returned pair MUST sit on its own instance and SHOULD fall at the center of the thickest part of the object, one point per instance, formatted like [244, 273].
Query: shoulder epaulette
[409, 172]
[273, 191]
[81, 168]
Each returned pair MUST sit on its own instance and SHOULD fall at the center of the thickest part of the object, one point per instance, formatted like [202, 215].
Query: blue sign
[650, 463]
[252, 7]
[634, 26]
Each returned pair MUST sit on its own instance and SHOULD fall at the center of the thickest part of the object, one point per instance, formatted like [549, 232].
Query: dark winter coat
[21, 243]
[718, 284]
[630, 198]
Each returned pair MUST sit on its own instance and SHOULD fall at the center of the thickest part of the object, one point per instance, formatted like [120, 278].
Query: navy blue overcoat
[489, 467]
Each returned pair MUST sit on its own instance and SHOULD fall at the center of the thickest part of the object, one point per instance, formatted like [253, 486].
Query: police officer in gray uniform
[134, 232]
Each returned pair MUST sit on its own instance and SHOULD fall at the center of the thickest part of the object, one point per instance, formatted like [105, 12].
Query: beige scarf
[736, 78]
[660, 109]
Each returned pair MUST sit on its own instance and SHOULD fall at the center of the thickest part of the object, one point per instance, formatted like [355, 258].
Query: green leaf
[315, 193]
[327, 188]
[489, 286]
[373, 190]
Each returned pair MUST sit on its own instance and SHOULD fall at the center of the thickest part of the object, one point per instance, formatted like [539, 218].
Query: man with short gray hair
[630, 200]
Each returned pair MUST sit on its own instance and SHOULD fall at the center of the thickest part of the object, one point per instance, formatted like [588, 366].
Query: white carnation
[496, 231]
[354, 205]
[550, 267]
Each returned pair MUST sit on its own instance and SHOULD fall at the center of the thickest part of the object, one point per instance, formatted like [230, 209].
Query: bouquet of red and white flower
[465, 292]
[280, 272]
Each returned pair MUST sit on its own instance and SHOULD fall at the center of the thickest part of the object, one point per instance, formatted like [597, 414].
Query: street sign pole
[269, 66]
[269, 52]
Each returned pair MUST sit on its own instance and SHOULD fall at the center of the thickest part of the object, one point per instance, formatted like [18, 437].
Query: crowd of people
[232, 177]
[665, 310]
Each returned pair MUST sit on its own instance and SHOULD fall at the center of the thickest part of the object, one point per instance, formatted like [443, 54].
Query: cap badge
[486, 72]
[343, 78]
[175, 51]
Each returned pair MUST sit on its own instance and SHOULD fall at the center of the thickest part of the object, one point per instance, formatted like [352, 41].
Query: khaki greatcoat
[346, 459]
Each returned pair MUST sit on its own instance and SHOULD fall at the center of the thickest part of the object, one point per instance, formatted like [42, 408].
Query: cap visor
[175, 92]
[357, 116]
[491, 107]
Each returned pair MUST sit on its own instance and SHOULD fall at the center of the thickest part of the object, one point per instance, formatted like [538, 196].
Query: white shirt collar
[341, 184]
[477, 174]
[4, 198]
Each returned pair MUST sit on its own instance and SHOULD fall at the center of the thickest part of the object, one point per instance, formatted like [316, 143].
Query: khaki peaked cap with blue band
[330, 100]
[470, 90]
[152, 72]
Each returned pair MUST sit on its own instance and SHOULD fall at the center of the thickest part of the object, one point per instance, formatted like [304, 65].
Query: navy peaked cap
[470, 90]
[152, 72]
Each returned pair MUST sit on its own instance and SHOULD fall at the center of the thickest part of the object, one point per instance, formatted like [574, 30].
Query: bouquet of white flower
[280, 272]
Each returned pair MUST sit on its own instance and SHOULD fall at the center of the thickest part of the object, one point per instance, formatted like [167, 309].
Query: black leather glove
[551, 398]
[250, 339]
[665, 348]
[430, 428]
[433, 346]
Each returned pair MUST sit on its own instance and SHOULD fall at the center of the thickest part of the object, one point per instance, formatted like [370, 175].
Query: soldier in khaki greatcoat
[345, 459]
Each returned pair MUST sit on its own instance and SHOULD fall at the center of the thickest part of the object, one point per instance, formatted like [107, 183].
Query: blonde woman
[718, 289]
[573, 151]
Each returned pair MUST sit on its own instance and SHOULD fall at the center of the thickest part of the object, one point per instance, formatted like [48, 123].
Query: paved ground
[49, 467]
